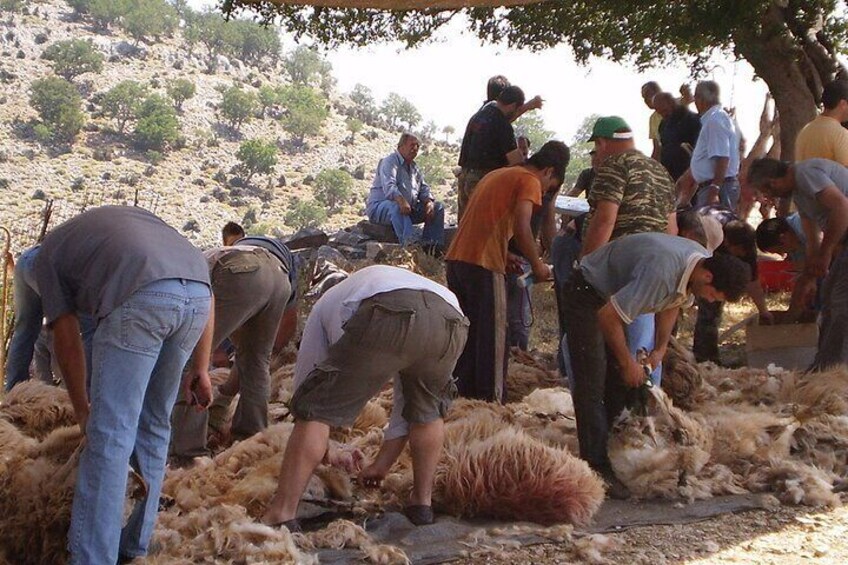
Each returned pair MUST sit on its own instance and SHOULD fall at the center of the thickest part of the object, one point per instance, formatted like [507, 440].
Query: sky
[446, 80]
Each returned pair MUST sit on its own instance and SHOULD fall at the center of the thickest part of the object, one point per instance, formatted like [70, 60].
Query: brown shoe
[419, 514]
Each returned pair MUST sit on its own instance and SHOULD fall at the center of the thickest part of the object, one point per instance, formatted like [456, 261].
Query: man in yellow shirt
[649, 90]
[824, 137]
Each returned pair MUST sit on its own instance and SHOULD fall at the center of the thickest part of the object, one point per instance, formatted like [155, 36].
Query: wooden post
[4, 304]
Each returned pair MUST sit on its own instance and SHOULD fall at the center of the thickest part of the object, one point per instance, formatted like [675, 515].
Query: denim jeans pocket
[144, 326]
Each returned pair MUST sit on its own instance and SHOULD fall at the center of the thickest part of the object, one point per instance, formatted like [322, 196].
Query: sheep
[36, 408]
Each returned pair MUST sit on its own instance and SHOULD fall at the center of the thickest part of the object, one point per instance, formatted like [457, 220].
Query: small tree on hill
[237, 106]
[398, 110]
[433, 165]
[257, 157]
[354, 126]
[306, 111]
[448, 131]
[58, 105]
[305, 214]
[365, 106]
[268, 96]
[105, 13]
[149, 18]
[307, 67]
[123, 102]
[157, 125]
[252, 42]
[333, 187]
[73, 57]
[532, 126]
[181, 90]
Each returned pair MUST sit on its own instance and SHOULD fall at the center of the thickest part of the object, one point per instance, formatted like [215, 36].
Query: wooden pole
[4, 303]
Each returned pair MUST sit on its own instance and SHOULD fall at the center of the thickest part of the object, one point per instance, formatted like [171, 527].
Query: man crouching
[381, 323]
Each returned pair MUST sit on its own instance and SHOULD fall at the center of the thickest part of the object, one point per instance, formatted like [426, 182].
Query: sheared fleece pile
[743, 431]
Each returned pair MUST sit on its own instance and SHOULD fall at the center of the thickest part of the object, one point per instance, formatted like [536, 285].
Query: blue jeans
[139, 351]
[28, 318]
[387, 213]
[728, 194]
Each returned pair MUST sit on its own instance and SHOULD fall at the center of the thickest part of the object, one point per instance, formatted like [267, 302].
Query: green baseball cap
[611, 127]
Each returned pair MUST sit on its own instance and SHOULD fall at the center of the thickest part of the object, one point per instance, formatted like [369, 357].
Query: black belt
[579, 283]
[709, 182]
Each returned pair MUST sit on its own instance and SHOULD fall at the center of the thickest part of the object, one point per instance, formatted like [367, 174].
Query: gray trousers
[833, 330]
[251, 291]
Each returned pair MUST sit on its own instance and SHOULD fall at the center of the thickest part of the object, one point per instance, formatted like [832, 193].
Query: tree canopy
[791, 44]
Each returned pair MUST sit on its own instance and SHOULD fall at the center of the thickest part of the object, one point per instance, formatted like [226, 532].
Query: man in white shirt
[380, 323]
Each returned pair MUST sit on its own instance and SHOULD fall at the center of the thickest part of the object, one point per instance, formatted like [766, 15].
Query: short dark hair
[495, 86]
[552, 154]
[651, 85]
[765, 169]
[730, 275]
[232, 228]
[769, 232]
[737, 232]
[511, 95]
[834, 92]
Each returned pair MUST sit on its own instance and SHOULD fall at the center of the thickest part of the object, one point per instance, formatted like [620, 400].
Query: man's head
[775, 235]
[495, 86]
[523, 143]
[664, 104]
[551, 160]
[649, 90]
[611, 135]
[707, 95]
[740, 240]
[408, 146]
[835, 99]
[771, 177]
[686, 96]
[706, 230]
[720, 278]
[231, 232]
[510, 100]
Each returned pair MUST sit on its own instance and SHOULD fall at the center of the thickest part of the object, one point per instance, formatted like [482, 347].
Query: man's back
[822, 138]
[642, 189]
[682, 126]
[811, 177]
[488, 138]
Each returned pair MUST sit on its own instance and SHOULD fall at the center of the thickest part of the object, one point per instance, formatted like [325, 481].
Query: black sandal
[419, 514]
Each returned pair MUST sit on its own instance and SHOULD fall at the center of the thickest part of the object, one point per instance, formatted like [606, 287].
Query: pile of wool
[527, 373]
[681, 377]
[37, 408]
[547, 414]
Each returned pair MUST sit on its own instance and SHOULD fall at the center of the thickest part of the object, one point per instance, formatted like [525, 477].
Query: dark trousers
[599, 392]
[833, 329]
[705, 346]
[481, 369]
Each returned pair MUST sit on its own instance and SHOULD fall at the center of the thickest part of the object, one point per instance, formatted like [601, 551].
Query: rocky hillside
[194, 187]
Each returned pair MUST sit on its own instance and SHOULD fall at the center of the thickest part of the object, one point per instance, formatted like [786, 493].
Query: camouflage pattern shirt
[640, 186]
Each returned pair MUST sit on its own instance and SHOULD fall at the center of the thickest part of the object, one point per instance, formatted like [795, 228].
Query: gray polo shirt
[93, 262]
[643, 273]
[811, 177]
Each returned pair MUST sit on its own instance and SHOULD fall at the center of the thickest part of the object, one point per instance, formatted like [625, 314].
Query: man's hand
[82, 418]
[654, 358]
[372, 475]
[429, 210]
[405, 208]
[197, 389]
[514, 263]
[633, 373]
[713, 192]
[344, 457]
[541, 271]
[535, 103]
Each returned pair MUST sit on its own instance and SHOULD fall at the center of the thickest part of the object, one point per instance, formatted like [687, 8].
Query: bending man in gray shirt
[633, 275]
[819, 188]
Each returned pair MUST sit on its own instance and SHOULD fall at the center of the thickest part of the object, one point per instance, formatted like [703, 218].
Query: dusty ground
[785, 535]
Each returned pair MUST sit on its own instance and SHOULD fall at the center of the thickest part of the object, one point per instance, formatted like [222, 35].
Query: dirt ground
[783, 535]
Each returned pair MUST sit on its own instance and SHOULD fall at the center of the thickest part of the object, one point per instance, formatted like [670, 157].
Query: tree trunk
[794, 63]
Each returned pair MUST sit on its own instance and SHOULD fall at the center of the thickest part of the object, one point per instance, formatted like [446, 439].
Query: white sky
[446, 80]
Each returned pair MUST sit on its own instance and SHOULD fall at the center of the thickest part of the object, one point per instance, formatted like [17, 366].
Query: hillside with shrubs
[198, 119]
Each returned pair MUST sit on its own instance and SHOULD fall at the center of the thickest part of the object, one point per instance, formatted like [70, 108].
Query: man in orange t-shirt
[477, 262]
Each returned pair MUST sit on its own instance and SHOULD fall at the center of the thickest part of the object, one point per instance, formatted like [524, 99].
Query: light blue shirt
[395, 176]
[811, 178]
[794, 221]
[718, 138]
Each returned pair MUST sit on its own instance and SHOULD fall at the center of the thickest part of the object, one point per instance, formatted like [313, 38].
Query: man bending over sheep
[633, 275]
[380, 323]
[147, 288]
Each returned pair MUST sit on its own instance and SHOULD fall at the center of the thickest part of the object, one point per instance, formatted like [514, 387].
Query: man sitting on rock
[364, 331]
[401, 198]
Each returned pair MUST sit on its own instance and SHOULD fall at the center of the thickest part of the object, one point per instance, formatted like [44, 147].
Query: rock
[102, 154]
[20, 54]
[281, 180]
[308, 180]
[375, 250]
[125, 49]
[39, 195]
[41, 38]
[192, 226]
[198, 182]
[329, 254]
[359, 172]
[375, 231]
[178, 64]
[149, 171]
[307, 237]
[222, 62]
[352, 253]
[348, 238]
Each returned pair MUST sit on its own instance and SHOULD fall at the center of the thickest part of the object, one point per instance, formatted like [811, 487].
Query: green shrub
[149, 18]
[104, 13]
[74, 57]
[307, 67]
[333, 187]
[306, 112]
[123, 102]
[237, 106]
[354, 126]
[267, 96]
[58, 105]
[157, 124]
[257, 157]
[181, 90]
[398, 110]
[305, 214]
[364, 105]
